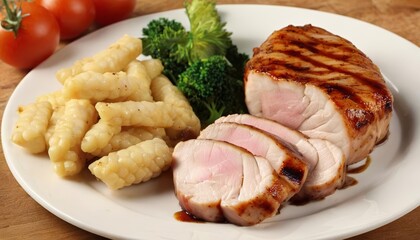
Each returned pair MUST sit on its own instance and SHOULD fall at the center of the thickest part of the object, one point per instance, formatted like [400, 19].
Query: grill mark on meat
[308, 28]
[359, 117]
[343, 92]
[308, 43]
[259, 202]
[273, 64]
[381, 93]
[365, 80]
[297, 68]
[279, 68]
[276, 191]
[311, 45]
[293, 172]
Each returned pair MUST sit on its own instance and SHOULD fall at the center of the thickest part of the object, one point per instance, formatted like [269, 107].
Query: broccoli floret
[177, 48]
[158, 26]
[237, 59]
[202, 62]
[213, 89]
[165, 39]
[208, 34]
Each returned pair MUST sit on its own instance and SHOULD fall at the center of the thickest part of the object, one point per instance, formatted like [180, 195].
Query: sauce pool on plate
[184, 216]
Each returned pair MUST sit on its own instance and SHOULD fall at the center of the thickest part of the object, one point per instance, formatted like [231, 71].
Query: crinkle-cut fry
[154, 67]
[116, 56]
[64, 151]
[133, 165]
[129, 136]
[145, 133]
[56, 99]
[132, 113]
[186, 123]
[64, 73]
[70, 164]
[164, 90]
[120, 141]
[99, 136]
[31, 126]
[137, 72]
[113, 59]
[57, 113]
[97, 87]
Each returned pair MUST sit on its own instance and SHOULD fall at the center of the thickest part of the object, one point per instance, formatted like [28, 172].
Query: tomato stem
[13, 17]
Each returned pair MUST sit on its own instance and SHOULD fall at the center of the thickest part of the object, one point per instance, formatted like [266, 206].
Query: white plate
[386, 190]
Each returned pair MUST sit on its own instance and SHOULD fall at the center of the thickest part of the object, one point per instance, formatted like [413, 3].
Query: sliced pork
[293, 138]
[218, 181]
[286, 162]
[260, 197]
[323, 178]
[328, 175]
[309, 79]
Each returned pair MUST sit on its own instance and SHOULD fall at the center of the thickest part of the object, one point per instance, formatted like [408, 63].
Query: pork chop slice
[259, 198]
[309, 79]
[286, 162]
[216, 180]
[328, 175]
[287, 135]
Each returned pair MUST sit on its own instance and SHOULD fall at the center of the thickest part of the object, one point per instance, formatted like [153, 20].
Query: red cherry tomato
[74, 16]
[111, 11]
[35, 40]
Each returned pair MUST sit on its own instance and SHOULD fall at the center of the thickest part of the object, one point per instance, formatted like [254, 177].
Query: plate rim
[79, 224]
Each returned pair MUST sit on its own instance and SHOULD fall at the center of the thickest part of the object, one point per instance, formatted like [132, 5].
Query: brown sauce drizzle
[361, 168]
[383, 139]
[184, 216]
[350, 181]
[301, 201]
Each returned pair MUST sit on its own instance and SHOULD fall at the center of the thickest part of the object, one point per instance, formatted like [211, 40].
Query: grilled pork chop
[286, 162]
[216, 180]
[311, 80]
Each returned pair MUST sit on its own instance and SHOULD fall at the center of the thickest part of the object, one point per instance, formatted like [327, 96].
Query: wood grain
[22, 218]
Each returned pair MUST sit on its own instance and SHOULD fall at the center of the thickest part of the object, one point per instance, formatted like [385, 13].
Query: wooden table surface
[22, 218]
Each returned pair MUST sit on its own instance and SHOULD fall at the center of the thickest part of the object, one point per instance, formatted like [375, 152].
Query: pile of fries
[115, 114]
